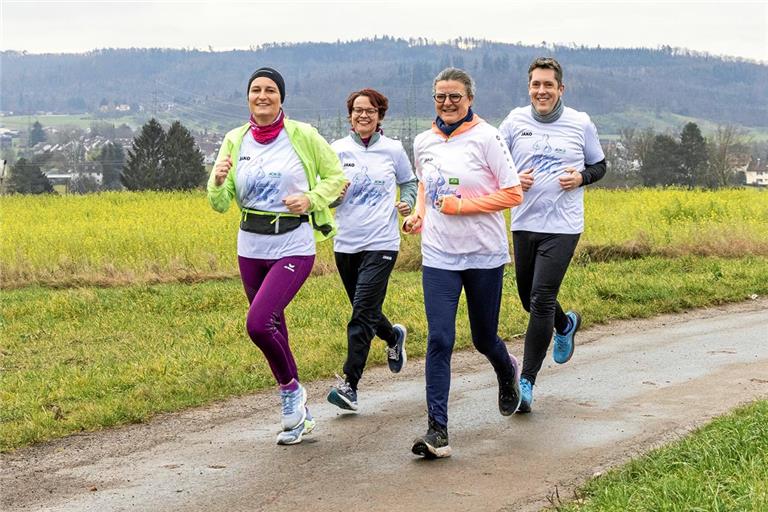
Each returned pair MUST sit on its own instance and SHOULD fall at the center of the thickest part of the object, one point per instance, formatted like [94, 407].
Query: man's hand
[572, 179]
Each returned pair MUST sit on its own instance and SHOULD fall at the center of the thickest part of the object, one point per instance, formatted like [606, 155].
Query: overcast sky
[738, 28]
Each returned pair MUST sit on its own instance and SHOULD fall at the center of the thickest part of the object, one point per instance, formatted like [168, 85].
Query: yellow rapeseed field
[128, 237]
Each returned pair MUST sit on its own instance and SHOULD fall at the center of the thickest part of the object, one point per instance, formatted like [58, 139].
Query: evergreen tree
[693, 155]
[183, 167]
[111, 159]
[662, 163]
[145, 158]
[27, 178]
[36, 134]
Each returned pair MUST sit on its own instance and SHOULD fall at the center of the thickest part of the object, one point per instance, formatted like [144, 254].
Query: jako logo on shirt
[526, 133]
[428, 159]
[244, 158]
[349, 164]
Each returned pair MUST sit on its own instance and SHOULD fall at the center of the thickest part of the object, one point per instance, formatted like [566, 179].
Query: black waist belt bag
[269, 223]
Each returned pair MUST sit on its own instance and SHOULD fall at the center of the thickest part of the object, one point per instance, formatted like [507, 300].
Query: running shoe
[295, 435]
[509, 390]
[294, 405]
[526, 393]
[566, 342]
[343, 396]
[433, 444]
[396, 357]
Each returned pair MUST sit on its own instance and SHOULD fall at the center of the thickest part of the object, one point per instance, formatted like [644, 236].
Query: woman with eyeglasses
[368, 238]
[282, 175]
[466, 180]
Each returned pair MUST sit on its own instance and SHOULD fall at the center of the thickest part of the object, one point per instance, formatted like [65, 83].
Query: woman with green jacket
[283, 175]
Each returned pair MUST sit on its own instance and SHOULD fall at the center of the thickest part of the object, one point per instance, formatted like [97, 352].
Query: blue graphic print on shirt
[437, 187]
[543, 161]
[261, 186]
[364, 190]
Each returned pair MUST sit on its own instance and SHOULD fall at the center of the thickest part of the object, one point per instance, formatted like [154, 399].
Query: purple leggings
[270, 286]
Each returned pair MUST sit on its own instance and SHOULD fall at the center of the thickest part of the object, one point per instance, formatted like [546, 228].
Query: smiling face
[264, 100]
[544, 90]
[364, 117]
[449, 111]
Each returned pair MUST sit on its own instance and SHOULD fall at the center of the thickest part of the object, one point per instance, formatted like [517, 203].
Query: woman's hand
[412, 224]
[403, 208]
[526, 179]
[297, 203]
[449, 205]
[221, 169]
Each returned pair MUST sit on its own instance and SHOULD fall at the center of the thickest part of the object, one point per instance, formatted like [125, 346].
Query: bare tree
[727, 143]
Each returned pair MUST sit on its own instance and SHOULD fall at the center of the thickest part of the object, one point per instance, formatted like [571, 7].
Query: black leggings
[365, 276]
[541, 261]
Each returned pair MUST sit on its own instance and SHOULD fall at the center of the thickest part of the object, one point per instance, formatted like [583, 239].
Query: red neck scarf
[266, 134]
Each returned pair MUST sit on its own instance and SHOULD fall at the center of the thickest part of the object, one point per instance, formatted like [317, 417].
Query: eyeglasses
[361, 111]
[454, 97]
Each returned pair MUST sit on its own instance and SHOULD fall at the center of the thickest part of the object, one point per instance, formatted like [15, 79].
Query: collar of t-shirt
[368, 141]
[448, 129]
[553, 116]
[461, 126]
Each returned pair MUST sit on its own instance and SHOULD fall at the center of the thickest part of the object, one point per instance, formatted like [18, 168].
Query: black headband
[273, 75]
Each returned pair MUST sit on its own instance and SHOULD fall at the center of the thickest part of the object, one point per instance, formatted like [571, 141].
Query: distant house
[757, 173]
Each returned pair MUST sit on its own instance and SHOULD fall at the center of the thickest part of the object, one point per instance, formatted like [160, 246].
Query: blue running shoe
[294, 406]
[343, 396]
[526, 393]
[295, 435]
[565, 343]
[396, 357]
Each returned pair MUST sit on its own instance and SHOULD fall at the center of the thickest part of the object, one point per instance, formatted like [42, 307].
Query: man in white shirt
[556, 151]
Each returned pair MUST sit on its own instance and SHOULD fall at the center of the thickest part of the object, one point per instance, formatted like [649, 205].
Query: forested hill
[320, 75]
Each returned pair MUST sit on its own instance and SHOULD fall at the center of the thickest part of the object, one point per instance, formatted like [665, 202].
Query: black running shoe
[434, 444]
[396, 357]
[343, 396]
[509, 390]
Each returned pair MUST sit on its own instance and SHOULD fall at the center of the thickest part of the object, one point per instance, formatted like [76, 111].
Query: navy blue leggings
[442, 289]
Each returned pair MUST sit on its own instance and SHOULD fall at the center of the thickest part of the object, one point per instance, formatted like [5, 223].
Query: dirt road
[631, 386]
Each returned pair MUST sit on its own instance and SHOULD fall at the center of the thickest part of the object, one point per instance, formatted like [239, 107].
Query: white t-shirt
[471, 164]
[550, 148]
[266, 174]
[367, 217]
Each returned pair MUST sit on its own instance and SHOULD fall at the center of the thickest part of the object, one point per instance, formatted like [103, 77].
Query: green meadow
[119, 306]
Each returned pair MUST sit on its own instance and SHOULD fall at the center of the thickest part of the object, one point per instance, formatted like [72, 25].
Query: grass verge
[721, 467]
[81, 359]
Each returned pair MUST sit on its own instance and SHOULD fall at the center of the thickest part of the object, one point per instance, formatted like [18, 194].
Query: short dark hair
[377, 99]
[547, 63]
